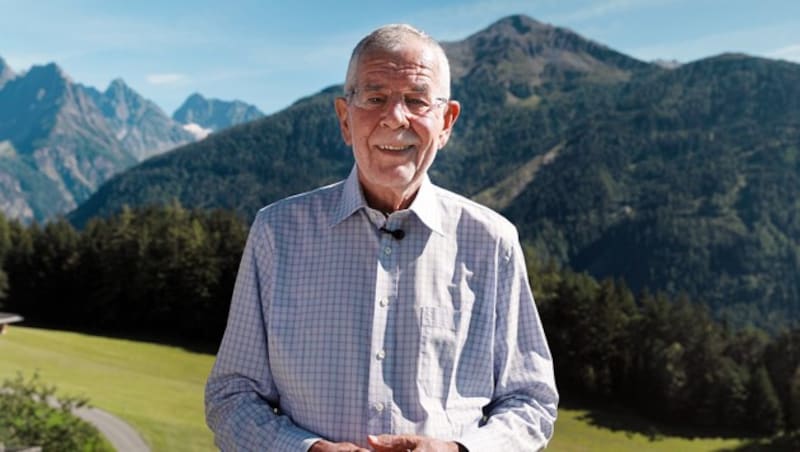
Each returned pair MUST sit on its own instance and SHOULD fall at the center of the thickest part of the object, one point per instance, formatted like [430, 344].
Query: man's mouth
[395, 148]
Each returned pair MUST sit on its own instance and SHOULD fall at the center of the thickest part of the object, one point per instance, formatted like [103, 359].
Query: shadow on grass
[627, 421]
[208, 347]
[788, 442]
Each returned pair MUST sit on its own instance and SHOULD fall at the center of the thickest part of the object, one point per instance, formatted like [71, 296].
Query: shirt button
[380, 355]
[383, 302]
[379, 407]
[387, 251]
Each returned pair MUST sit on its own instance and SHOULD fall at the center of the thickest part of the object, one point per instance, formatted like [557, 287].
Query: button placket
[380, 394]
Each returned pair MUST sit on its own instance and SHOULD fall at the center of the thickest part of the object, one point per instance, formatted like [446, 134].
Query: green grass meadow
[159, 390]
[576, 433]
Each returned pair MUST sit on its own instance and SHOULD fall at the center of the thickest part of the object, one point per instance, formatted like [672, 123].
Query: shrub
[32, 415]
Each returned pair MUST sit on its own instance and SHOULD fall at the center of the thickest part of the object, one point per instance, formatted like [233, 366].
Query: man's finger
[391, 443]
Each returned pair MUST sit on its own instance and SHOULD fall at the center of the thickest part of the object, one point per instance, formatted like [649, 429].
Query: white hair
[391, 38]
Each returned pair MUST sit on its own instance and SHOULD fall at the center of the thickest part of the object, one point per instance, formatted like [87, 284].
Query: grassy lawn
[159, 390]
[574, 433]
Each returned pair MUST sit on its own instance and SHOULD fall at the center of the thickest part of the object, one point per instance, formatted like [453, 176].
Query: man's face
[394, 136]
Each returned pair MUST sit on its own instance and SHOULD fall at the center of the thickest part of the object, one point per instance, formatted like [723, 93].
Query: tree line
[160, 271]
[667, 358]
[169, 272]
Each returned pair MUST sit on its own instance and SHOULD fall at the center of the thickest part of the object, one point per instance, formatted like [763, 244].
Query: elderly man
[383, 312]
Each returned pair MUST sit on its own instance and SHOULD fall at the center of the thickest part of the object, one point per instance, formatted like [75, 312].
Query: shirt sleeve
[240, 396]
[522, 413]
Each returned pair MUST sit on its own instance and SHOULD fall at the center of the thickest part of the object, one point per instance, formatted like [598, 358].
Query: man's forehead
[398, 64]
[380, 70]
[380, 85]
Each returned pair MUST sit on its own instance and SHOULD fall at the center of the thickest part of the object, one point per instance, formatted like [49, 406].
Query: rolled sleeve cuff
[482, 439]
[477, 441]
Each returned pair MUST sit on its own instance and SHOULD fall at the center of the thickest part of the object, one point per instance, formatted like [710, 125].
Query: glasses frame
[434, 104]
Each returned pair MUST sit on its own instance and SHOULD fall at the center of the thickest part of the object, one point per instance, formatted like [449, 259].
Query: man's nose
[395, 115]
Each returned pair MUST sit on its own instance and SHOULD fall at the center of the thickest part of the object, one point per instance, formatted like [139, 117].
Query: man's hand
[327, 446]
[406, 443]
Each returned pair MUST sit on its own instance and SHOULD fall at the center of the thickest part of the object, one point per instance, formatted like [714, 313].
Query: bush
[31, 415]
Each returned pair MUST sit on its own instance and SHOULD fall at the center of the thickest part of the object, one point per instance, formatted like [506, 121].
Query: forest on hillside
[681, 181]
[168, 273]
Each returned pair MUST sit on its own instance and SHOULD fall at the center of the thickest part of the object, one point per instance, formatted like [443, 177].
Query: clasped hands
[389, 443]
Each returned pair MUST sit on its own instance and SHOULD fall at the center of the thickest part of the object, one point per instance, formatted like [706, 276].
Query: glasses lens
[418, 104]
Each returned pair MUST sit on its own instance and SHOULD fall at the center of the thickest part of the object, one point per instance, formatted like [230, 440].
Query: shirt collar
[425, 205]
[351, 200]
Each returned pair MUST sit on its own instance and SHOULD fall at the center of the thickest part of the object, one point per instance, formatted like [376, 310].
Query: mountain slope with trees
[678, 180]
[690, 184]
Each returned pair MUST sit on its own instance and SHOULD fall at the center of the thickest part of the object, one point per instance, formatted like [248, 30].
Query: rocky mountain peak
[195, 99]
[121, 103]
[6, 73]
[518, 23]
[47, 74]
[214, 114]
[521, 52]
[118, 88]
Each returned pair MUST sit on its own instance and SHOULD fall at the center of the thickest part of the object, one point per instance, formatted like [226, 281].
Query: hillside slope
[681, 180]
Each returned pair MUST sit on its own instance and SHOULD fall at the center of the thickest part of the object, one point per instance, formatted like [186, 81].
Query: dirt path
[119, 433]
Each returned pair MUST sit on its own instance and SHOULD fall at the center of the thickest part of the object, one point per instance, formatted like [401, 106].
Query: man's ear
[450, 117]
[340, 104]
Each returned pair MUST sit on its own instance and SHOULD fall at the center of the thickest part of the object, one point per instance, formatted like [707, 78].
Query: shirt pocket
[438, 349]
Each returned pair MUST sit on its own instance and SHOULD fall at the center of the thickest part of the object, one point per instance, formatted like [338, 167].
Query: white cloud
[165, 79]
[197, 130]
[791, 53]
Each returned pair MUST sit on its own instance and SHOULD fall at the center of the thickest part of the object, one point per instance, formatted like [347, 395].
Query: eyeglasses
[417, 104]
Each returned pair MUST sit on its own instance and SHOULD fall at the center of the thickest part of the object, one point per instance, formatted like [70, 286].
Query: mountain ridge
[59, 140]
[214, 114]
[680, 180]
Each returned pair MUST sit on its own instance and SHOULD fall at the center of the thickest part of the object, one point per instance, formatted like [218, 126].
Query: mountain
[60, 140]
[527, 57]
[220, 172]
[524, 82]
[214, 114]
[142, 128]
[303, 141]
[6, 73]
[58, 146]
[689, 185]
[681, 180]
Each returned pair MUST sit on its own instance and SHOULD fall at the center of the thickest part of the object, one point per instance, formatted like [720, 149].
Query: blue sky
[270, 53]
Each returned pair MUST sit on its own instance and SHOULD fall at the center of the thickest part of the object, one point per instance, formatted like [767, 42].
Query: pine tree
[765, 407]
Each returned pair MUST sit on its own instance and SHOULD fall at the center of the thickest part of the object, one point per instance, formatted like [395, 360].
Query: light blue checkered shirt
[338, 330]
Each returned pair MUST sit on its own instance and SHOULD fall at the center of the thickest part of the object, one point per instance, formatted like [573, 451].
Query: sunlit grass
[574, 433]
[157, 389]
